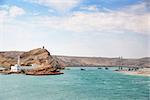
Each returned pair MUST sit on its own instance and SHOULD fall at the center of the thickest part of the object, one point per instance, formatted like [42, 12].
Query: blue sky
[108, 28]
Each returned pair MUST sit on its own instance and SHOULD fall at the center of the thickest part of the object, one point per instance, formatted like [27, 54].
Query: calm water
[91, 84]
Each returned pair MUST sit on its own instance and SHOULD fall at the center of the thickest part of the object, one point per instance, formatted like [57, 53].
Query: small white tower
[18, 61]
[16, 68]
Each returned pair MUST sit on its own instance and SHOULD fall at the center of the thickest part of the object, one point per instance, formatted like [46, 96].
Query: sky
[95, 28]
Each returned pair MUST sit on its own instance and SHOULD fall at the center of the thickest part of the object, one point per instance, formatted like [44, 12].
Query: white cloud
[10, 12]
[3, 15]
[59, 5]
[114, 21]
[96, 22]
[16, 11]
[48, 31]
[90, 8]
[7, 14]
[137, 8]
[94, 26]
[4, 6]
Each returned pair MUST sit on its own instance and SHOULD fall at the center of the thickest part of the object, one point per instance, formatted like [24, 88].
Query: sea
[76, 84]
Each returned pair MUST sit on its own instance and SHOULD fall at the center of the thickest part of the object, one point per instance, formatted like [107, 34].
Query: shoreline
[35, 72]
[45, 71]
[142, 72]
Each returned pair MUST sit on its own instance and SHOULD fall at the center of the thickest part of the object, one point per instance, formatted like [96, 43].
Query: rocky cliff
[39, 56]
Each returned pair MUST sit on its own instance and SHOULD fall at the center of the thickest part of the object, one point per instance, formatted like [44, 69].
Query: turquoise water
[91, 84]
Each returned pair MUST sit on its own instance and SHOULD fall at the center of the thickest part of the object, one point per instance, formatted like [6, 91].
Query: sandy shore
[141, 72]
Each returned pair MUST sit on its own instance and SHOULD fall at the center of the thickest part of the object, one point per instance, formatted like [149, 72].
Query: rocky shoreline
[49, 73]
[44, 71]
[37, 72]
[34, 62]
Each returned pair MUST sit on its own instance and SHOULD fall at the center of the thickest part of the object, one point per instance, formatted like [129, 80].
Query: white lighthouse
[16, 68]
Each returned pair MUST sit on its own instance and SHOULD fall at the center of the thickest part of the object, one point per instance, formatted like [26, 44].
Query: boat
[82, 69]
[67, 68]
[99, 68]
[106, 68]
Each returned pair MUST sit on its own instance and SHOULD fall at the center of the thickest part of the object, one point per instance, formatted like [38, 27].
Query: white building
[17, 67]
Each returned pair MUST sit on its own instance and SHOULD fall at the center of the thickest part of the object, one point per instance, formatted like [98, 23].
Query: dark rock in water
[99, 68]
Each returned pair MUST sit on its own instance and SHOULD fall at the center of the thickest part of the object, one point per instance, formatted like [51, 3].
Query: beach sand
[141, 72]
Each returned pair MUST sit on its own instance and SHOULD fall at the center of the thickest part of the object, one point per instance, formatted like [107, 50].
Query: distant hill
[42, 56]
[102, 61]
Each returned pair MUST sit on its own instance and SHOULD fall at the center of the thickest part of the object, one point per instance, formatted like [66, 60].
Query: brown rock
[38, 56]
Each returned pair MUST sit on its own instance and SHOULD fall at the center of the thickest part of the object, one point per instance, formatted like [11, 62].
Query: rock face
[39, 56]
[6, 61]
[36, 56]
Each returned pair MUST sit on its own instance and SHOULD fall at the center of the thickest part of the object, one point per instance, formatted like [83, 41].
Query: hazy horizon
[96, 28]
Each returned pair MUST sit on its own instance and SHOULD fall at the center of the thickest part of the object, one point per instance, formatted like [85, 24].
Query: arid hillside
[42, 57]
[101, 61]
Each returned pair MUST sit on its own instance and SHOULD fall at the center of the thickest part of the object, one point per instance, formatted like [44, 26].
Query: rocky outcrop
[43, 71]
[6, 61]
[36, 56]
[39, 56]
[45, 63]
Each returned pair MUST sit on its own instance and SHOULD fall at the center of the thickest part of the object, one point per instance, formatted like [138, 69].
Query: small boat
[106, 68]
[82, 69]
[68, 69]
[116, 70]
[99, 68]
